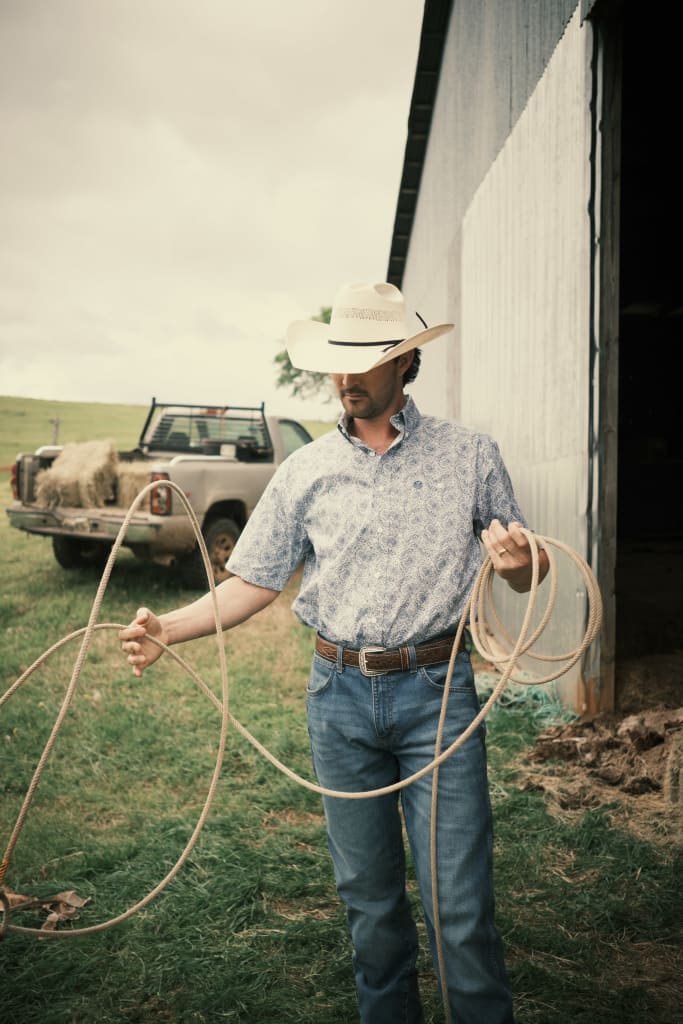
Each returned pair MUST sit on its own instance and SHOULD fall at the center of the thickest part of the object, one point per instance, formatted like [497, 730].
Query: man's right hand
[141, 652]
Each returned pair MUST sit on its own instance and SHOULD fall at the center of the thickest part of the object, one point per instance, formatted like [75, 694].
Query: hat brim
[309, 348]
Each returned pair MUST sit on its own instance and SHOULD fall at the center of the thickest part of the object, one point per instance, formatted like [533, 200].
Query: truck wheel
[219, 536]
[73, 553]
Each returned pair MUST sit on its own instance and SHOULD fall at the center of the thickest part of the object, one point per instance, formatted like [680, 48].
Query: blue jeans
[367, 733]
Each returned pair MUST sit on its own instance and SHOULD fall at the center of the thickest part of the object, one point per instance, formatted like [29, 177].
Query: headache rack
[206, 429]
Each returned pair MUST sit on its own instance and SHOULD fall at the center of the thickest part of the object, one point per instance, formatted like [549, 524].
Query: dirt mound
[631, 762]
[636, 754]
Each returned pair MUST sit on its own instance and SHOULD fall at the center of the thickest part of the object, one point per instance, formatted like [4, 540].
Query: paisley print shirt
[390, 543]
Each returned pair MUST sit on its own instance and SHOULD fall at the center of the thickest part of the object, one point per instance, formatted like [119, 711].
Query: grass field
[251, 930]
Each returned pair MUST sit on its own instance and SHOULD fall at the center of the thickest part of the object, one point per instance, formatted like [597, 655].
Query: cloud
[179, 180]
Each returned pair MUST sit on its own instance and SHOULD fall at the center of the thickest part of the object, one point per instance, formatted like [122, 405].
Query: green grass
[251, 930]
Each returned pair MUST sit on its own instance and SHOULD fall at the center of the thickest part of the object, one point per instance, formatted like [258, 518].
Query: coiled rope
[489, 637]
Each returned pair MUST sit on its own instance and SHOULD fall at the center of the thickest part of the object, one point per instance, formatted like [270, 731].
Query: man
[386, 513]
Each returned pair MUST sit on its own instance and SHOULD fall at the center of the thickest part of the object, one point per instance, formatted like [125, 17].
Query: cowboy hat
[368, 327]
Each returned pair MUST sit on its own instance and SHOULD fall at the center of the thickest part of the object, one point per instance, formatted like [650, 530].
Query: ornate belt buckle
[362, 661]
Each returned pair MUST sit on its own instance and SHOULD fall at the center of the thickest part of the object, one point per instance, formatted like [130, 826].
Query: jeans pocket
[463, 676]
[321, 675]
[463, 700]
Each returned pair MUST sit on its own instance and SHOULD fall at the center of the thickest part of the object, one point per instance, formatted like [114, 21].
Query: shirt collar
[405, 421]
[407, 418]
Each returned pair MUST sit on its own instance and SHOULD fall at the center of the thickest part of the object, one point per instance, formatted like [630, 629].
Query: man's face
[369, 395]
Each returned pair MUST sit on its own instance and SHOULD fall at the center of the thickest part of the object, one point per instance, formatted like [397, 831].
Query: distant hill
[26, 423]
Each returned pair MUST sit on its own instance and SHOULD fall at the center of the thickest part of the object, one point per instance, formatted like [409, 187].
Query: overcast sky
[181, 178]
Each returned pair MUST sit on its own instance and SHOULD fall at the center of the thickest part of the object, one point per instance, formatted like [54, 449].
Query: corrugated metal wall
[501, 246]
[496, 52]
[525, 313]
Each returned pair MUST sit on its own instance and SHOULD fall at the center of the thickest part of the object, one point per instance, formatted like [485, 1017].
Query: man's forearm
[237, 601]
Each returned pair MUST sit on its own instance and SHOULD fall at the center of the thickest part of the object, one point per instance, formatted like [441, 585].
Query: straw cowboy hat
[368, 327]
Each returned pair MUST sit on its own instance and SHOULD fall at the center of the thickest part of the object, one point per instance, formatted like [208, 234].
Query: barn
[539, 210]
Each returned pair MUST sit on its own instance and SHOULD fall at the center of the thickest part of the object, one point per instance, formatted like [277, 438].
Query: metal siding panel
[494, 55]
[541, 325]
[525, 312]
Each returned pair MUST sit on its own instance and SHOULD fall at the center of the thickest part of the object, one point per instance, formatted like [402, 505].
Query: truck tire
[74, 553]
[219, 536]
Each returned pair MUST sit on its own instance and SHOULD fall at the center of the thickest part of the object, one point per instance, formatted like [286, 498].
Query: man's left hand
[510, 552]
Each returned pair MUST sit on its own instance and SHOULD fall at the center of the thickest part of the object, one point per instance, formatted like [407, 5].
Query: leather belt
[376, 661]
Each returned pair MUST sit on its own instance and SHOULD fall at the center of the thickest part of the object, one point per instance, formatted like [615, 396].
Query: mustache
[356, 392]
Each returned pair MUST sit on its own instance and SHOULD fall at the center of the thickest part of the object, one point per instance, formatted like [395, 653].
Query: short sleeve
[274, 540]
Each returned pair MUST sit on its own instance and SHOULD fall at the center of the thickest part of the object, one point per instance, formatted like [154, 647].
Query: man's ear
[405, 360]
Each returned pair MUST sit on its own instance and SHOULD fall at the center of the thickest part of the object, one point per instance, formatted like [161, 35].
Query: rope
[487, 632]
[87, 633]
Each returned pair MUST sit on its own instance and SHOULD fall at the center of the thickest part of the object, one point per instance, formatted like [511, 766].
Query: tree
[302, 383]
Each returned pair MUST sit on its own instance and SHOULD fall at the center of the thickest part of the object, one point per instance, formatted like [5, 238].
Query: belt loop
[340, 658]
[413, 657]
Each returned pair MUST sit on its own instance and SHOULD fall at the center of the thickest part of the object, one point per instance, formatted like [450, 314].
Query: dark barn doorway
[649, 561]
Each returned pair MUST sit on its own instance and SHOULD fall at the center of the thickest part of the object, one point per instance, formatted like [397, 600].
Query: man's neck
[379, 432]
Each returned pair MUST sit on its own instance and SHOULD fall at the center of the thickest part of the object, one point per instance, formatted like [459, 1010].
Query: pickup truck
[221, 456]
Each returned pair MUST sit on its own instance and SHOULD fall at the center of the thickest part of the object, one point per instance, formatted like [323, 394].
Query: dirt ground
[630, 759]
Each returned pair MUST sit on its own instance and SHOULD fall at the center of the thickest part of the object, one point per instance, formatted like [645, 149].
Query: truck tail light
[14, 480]
[160, 497]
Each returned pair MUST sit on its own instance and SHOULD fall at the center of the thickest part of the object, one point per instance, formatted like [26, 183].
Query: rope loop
[86, 635]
